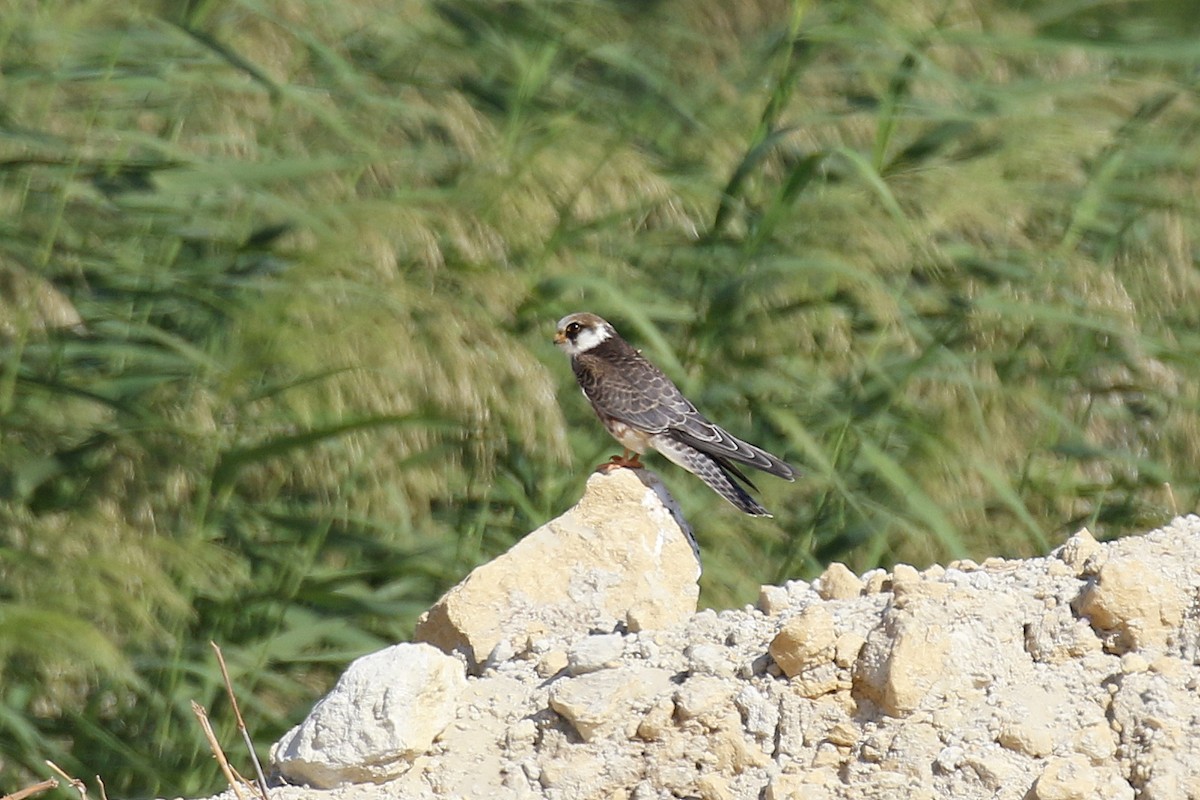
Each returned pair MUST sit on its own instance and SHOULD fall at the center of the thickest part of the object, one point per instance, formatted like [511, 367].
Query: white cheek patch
[590, 337]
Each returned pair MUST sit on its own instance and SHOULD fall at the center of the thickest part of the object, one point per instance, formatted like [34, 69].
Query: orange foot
[616, 462]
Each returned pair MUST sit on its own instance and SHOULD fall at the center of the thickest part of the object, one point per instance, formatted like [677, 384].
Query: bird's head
[579, 332]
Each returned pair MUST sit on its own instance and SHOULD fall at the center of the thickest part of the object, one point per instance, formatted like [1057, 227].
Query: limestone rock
[623, 550]
[385, 710]
[791, 785]
[1059, 636]
[1066, 778]
[595, 653]
[804, 649]
[1077, 550]
[773, 600]
[704, 698]
[837, 582]
[1155, 714]
[903, 657]
[1133, 604]
[600, 703]
[973, 682]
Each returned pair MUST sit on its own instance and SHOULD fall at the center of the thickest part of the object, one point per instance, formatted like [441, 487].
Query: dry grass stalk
[76, 783]
[30, 791]
[230, 776]
[241, 723]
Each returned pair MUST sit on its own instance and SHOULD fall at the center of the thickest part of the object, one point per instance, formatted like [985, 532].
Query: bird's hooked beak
[560, 337]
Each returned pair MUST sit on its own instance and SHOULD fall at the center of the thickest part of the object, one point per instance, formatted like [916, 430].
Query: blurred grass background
[278, 280]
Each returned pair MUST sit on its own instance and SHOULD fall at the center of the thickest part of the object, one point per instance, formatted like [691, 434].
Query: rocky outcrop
[622, 556]
[1069, 676]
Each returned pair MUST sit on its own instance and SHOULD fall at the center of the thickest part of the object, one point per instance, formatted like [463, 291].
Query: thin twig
[241, 723]
[76, 784]
[103, 791]
[206, 726]
[30, 791]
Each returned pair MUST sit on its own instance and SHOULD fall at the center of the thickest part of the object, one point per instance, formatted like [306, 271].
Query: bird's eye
[573, 329]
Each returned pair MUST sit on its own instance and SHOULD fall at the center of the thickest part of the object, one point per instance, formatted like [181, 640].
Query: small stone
[504, 651]
[846, 649]
[522, 734]
[950, 758]
[713, 787]
[772, 600]
[837, 582]
[1133, 663]
[843, 734]
[552, 663]
[1096, 742]
[792, 786]
[759, 715]
[804, 642]
[911, 585]
[1066, 778]
[1057, 569]
[657, 722]
[708, 659]
[875, 581]
[1169, 666]
[594, 653]
[1132, 605]
[599, 703]
[1028, 737]
[904, 657]
[828, 755]
[1077, 550]
[996, 768]
[702, 697]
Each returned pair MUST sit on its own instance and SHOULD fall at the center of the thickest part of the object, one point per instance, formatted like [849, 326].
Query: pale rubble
[1048, 678]
[805, 649]
[1132, 603]
[837, 582]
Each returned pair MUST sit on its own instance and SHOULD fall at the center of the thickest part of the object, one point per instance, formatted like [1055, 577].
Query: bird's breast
[630, 437]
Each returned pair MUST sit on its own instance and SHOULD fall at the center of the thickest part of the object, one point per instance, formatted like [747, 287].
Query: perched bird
[642, 408]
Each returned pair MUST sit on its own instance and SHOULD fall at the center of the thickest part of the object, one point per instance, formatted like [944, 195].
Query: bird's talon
[617, 462]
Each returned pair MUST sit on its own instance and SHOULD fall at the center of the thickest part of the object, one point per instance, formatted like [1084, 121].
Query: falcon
[642, 409]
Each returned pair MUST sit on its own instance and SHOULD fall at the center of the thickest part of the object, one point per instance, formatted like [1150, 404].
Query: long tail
[710, 470]
[723, 445]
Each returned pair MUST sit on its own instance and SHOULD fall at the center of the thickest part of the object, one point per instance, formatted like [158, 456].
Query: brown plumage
[642, 408]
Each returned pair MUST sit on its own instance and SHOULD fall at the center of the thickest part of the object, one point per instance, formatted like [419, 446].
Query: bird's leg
[624, 460]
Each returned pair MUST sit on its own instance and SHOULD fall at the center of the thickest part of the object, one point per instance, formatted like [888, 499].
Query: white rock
[1069, 778]
[386, 709]
[708, 659]
[595, 653]
[601, 703]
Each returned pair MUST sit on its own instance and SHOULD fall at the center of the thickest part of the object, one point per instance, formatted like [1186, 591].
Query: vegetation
[278, 280]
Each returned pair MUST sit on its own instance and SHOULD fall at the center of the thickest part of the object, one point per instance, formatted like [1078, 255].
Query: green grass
[277, 283]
